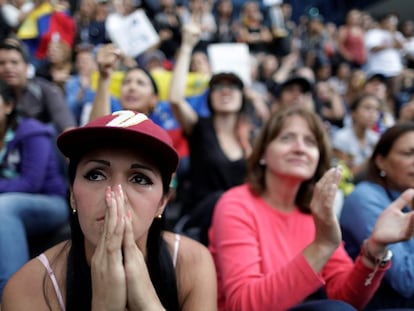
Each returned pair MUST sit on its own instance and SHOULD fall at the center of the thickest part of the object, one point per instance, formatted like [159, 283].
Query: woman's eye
[141, 179]
[94, 175]
[286, 137]
[408, 153]
[310, 141]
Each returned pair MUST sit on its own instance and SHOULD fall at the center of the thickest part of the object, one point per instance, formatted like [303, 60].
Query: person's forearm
[179, 75]
[286, 67]
[338, 110]
[101, 103]
[317, 255]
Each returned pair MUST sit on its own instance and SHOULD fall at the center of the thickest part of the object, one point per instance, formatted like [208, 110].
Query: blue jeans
[323, 305]
[23, 214]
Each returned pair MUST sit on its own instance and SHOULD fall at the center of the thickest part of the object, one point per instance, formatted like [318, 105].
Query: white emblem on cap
[126, 118]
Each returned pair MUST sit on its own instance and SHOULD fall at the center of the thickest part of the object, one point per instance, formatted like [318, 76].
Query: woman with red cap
[118, 258]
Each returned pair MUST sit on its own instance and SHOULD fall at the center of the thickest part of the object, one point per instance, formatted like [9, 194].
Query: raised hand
[107, 59]
[191, 35]
[393, 225]
[109, 290]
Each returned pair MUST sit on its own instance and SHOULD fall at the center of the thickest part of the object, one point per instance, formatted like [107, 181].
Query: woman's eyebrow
[141, 166]
[106, 163]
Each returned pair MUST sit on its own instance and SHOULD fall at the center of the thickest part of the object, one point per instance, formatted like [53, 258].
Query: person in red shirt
[351, 43]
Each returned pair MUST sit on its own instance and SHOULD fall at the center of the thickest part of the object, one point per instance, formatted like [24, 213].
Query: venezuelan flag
[41, 24]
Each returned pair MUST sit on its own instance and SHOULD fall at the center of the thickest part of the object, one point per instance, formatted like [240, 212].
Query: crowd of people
[190, 187]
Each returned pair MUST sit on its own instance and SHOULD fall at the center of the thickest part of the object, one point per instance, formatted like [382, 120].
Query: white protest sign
[271, 2]
[133, 34]
[230, 57]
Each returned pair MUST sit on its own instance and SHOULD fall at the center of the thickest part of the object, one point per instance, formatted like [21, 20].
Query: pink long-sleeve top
[258, 249]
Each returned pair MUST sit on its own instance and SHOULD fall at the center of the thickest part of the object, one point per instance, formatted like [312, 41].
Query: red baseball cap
[126, 128]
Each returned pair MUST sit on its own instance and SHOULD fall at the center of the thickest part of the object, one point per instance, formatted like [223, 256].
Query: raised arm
[183, 112]
[289, 62]
[107, 59]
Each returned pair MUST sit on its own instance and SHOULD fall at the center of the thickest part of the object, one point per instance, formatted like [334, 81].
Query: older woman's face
[141, 183]
[294, 153]
[399, 163]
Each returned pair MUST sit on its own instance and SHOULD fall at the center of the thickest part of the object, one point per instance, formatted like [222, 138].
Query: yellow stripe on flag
[28, 29]
[196, 83]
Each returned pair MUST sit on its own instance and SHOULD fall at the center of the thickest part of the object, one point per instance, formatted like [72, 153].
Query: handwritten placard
[272, 2]
[230, 57]
[133, 34]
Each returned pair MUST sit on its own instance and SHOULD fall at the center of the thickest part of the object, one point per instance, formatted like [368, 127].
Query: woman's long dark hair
[383, 148]
[159, 263]
[9, 98]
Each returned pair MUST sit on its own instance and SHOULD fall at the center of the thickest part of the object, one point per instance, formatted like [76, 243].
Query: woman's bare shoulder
[24, 290]
[196, 274]
[189, 250]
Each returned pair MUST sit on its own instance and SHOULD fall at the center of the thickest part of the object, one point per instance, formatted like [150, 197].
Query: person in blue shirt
[390, 172]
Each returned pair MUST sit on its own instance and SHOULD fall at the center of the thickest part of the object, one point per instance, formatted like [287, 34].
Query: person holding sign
[119, 256]
[217, 144]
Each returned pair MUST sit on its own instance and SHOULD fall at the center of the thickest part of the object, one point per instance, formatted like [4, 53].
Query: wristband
[376, 261]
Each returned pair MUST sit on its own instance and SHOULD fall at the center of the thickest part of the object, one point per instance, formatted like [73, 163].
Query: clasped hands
[120, 279]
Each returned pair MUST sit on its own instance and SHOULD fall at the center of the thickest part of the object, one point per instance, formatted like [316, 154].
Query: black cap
[276, 89]
[304, 83]
[228, 76]
[376, 76]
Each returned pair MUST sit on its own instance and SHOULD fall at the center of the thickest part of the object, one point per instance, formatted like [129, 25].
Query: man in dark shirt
[36, 97]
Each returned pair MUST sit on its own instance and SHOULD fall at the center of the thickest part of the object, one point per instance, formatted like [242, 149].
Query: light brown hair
[272, 128]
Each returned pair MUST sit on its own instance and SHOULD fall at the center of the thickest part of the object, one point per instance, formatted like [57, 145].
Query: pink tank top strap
[43, 259]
